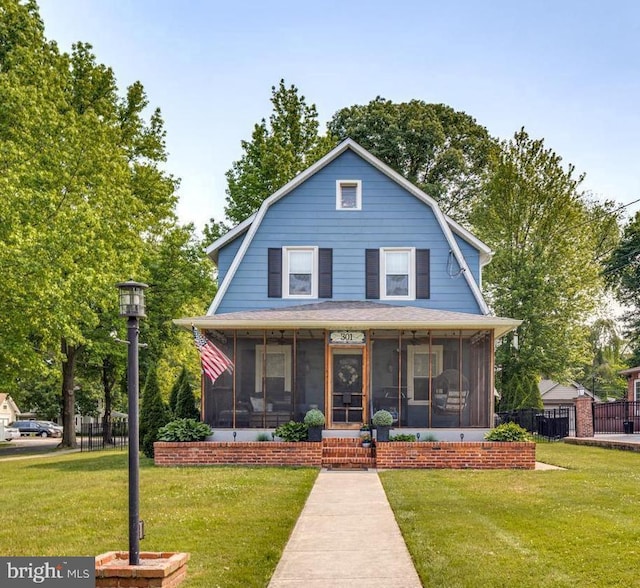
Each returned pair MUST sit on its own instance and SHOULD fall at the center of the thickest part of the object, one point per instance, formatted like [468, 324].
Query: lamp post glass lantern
[132, 307]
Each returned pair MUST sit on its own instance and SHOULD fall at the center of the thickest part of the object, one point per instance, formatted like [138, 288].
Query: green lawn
[579, 527]
[234, 521]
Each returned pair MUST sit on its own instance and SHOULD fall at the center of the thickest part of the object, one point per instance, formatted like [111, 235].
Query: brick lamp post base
[156, 570]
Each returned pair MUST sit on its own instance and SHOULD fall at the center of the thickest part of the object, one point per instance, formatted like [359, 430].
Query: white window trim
[412, 273]
[412, 350]
[636, 390]
[285, 272]
[358, 185]
[275, 349]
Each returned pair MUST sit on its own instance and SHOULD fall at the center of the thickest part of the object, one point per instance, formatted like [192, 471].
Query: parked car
[10, 433]
[52, 425]
[35, 428]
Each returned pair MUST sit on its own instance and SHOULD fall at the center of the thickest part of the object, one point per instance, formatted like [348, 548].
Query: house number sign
[346, 338]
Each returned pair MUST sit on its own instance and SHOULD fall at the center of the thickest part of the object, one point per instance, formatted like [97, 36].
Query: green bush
[382, 418]
[154, 413]
[507, 432]
[402, 437]
[186, 401]
[184, 430]
[263, 437]
[292, 431]
[314, 418]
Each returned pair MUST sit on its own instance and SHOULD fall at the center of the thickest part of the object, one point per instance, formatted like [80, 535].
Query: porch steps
[347, 453]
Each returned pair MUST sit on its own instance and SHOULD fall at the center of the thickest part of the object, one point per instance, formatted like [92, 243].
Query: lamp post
[132, 306]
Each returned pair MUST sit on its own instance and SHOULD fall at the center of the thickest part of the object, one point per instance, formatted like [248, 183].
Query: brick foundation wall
[484, 455]
[240, 453]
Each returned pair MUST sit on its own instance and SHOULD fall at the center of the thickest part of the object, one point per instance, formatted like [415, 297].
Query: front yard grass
[234, 521]
[558, 528]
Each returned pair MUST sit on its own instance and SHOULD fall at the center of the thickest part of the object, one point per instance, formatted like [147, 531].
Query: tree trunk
[68, 395]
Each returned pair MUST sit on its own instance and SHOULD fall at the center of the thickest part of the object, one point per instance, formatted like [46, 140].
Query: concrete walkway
[346, 536]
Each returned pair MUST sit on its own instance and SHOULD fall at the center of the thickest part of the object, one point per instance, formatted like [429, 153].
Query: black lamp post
[132, 306]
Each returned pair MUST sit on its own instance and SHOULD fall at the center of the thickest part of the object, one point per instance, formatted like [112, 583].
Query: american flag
[213, 361]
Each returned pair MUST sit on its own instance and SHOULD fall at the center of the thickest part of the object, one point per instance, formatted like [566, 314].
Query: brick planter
[267, 453]
[480, 455]
[156, 570]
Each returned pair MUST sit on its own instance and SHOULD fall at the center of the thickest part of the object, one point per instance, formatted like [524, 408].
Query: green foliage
[277, 152]
[406, 437]
[154, 414]
[519, 390]
[314, 418]
[292, 431]
[263, 437]
[175, 389]
[382, 418]
[186, 402]
[442, 151]
[184, 430]
[507, 432]
[547, 239]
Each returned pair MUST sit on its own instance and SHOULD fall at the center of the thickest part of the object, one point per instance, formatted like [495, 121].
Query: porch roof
[350, 315]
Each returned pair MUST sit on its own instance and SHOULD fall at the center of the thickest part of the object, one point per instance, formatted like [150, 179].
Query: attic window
[349, 195]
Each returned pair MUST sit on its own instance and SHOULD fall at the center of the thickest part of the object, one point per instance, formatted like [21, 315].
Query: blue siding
[472, 256]
[307, 216]
[226, 256]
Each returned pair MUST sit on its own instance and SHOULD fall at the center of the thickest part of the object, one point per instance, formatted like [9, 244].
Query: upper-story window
[396, 275]
[300, 272]
[348, 195]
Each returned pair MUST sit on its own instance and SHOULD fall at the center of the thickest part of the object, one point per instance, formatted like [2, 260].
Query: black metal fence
[554, 423]
[616, 417]
[98, 436]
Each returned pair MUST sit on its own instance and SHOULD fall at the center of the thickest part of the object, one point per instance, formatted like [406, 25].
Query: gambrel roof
[448, 226]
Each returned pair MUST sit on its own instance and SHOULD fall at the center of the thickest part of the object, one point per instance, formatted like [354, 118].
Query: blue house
[350, 291]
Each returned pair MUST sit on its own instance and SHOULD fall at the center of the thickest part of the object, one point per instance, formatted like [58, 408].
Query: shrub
[507, 432]
[314, 418]
[175, 389]
[184, 430]
[263, 437]
[292, 431]
[186, 402]
[154, 414]
[382, 418]
[402, 437]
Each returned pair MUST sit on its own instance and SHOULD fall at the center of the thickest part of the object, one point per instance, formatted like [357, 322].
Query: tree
[442, 151]
[186, 402]
[175, 391]
[547, 241]
[622, 274]
[153, 413]
[279, 150]
[83, 190]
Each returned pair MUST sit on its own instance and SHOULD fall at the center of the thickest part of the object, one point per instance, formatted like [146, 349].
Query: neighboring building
[556, 395]
[350, 291]
[633, 383]
[8, 409]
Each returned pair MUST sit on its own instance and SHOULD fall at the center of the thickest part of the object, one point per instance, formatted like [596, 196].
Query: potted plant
[366, 440]
[314, 419]
[382, 420]
[365, 430]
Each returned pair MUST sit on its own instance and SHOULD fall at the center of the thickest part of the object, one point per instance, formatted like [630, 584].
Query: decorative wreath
[347, 374]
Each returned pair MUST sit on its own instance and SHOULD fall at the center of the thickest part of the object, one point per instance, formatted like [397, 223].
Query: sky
[568, 71]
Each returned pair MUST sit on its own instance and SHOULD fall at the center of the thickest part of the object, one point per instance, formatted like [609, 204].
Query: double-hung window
[300, 272]
[397, 275]
[424, 363]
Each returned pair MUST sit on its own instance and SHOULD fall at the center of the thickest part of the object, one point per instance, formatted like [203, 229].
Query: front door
[346, 387]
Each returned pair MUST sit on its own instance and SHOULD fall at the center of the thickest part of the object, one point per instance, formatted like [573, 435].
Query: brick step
[341, 442]
[347, 452]
[348, 462]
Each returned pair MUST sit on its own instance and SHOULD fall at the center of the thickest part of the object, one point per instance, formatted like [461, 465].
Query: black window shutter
[422, 274]
[372, 273]
[274, 286]
[325, 269]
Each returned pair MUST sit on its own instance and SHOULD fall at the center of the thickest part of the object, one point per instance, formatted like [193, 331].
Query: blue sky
[568, 71]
